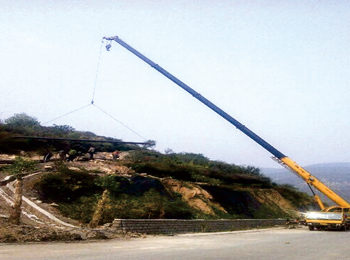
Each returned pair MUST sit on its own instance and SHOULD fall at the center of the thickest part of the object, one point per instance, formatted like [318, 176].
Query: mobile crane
[279, 157]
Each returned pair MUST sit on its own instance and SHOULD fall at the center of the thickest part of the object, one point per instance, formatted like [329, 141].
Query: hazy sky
[279, 67]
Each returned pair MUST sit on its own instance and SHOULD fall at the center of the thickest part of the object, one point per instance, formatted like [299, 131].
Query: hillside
[141, 186]
[141, 183]
[334, 175]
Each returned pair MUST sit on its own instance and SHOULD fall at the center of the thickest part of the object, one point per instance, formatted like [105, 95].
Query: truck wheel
[311, 228]
[343, 228]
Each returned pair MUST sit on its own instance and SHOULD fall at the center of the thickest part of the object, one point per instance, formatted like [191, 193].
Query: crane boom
[283, 159]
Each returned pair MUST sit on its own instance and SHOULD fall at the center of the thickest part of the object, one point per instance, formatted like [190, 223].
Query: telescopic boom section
[306, 176]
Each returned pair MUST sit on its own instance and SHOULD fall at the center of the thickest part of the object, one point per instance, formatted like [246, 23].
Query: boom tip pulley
[109, 39]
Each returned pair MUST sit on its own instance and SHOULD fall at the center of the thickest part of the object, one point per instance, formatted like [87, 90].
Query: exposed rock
[74, 168]
[7, 180]
[194, 195]
[107, 225]
[95, 234]
[48, 168]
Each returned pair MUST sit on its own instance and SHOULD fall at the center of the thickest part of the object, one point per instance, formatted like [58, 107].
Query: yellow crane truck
[328, 217]
[335, 217]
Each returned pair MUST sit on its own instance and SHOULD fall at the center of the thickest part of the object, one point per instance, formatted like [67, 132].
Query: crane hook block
[108, 47]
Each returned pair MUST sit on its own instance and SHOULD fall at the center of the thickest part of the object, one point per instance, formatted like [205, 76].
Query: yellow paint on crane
[312, 180]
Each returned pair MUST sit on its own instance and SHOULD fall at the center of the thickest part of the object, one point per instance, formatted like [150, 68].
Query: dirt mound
[273, 200]
[29, 233]
[26, 233]
[194, 195]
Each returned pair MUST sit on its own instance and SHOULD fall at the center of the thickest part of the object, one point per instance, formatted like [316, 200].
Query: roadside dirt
[26, 233]
[30, 231]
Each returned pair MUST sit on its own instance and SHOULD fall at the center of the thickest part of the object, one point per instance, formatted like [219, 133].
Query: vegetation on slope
[195, 167]
[78, 191]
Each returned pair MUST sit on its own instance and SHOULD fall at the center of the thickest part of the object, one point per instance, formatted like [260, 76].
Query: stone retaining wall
[177, 226]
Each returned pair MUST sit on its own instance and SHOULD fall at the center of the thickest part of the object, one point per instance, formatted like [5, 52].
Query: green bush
[81, 209]
[21, 167]
[195, 167]
[150, 205]
[66, 185]
[109, 182]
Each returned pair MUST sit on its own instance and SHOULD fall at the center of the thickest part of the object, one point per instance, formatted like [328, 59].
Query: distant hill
[334, 175]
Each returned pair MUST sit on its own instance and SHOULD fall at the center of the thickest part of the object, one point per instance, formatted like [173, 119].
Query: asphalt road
[286, 244]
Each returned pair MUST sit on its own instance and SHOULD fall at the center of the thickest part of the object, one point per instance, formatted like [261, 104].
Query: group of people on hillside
[70, 155]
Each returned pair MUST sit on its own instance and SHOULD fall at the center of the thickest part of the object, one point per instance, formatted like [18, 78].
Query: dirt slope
[194, 195]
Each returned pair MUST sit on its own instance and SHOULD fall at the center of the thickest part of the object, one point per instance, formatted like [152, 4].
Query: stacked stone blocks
[178, 226]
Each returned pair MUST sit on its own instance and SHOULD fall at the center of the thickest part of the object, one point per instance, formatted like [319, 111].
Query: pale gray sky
[279, 67]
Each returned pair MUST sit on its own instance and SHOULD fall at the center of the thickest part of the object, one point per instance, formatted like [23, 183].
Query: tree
[149, 144]
[110, 185]
[22, 119]
[18, 169]
[252, 170]
[64, 128]
[60, 130]
[97, 217]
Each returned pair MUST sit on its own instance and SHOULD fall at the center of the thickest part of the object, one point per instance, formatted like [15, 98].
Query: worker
[63, 155]
[47, 155]
[91, 151]
[71, 155]
[115, 155]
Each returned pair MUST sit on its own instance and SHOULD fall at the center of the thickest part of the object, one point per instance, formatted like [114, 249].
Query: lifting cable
[68, 113]
[101, 111]
[92, 100]
[98, 67]
[118, 121]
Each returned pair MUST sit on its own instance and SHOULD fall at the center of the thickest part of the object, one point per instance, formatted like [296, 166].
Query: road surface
[286, 244]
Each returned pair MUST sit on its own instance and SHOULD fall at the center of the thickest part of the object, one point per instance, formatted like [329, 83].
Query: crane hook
[108, 47]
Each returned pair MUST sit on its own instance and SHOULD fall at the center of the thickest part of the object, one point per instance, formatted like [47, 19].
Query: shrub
[109, 182]
[66, 185]
[150, 205]
[22, 120]
[82, 209]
